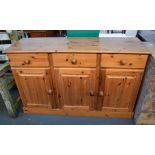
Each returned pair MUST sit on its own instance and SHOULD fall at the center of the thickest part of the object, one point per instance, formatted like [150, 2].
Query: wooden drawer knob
[101, 93]
[74, 61]
[122, 62]
[91, 93]
[27, 61]
[50, 91]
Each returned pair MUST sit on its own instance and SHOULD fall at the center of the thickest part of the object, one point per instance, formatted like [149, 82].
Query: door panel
[74, 86]
[35, 87]
[120, 88]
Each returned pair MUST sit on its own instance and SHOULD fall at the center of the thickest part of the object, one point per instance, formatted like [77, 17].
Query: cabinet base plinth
[65, 112]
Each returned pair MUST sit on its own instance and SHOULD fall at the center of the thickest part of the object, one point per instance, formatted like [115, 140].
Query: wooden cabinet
[34, 86]
[119, 88]
[75, 76]
[42, 33]
[92, 87]
[75, 88]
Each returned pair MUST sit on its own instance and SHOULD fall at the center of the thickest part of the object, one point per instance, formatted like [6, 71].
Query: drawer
[74, 60]
[123, 60]
[26, 60]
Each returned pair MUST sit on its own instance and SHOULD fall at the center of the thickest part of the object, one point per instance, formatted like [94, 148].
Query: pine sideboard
[79, 76]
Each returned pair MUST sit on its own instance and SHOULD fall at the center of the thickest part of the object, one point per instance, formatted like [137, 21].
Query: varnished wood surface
[41, 33]
[81, 112]
[34, 86]
[123, 60]
[29, 60]
[73, 86]
[79, 45]
[120, 87]
[67, 60]
[103, 80]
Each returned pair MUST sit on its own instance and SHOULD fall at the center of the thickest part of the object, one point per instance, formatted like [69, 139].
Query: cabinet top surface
[81, 45]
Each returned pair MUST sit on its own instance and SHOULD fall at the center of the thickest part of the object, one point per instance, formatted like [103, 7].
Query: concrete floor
[37, 119]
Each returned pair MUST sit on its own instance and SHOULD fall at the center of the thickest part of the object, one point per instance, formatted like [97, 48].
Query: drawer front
[74, 60]
[123, 60]
[27, 60]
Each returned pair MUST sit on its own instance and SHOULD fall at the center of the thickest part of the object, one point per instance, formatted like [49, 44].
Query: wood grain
[123, 60]
[34, 86]
[41, 33]
[81, 60]
[120, 87]
[68, 112]
[79, 45]
[28, 60]
[84, 77]
[73, 87]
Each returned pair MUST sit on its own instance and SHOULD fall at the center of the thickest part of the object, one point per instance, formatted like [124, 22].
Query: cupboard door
[119, 89]
[75, 88]
[34, 86]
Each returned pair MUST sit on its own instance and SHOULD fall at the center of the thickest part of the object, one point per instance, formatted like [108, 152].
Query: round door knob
[122, 62]
[101, 93]
[74, 61]
[27, 61]
[49, 91]
[91, 93]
